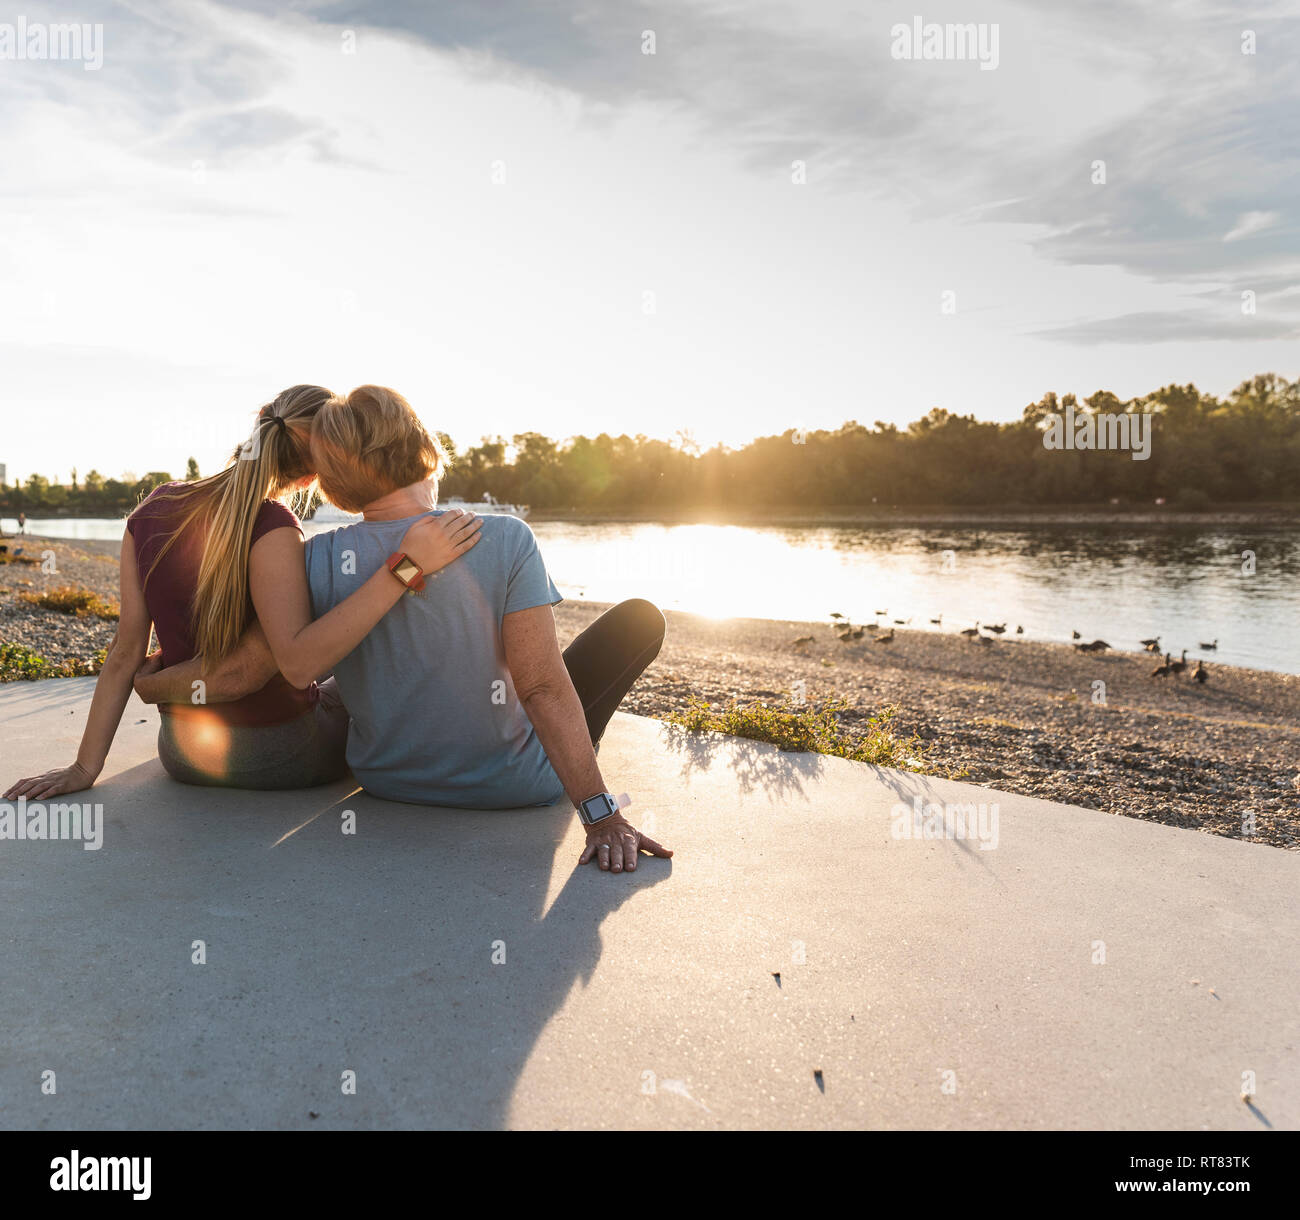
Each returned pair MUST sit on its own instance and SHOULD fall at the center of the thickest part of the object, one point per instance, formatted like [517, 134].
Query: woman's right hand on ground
[433, 542]
[52, 783]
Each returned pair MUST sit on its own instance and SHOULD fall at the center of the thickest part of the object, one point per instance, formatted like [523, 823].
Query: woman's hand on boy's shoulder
[434, 542]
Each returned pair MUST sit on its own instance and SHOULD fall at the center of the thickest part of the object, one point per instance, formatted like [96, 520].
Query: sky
[517, 217]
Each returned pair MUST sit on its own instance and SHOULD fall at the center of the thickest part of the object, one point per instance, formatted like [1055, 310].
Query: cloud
[239, 132]
[1174, 327]
[1251, 223]
[1195, 135]
[1201, 174]
[177, 80]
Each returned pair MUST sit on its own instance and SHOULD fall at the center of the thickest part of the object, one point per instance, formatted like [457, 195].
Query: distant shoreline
[1274, 514]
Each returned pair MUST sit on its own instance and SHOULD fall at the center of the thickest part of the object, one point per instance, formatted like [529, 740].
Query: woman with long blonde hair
[216, 567]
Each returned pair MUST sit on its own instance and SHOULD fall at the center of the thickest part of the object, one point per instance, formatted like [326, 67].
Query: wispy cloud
[1252, 223]
[1175, 327]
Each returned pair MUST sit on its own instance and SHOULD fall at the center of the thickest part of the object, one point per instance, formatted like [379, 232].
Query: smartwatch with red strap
[401, 565]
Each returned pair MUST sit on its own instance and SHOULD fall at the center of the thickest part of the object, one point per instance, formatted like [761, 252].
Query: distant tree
[191, 470]
[155, 478]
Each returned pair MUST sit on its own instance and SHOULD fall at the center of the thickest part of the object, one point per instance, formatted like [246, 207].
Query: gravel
[53, 635]
[1019, 715]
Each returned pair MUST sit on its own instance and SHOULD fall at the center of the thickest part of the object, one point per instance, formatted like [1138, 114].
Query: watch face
[596, 808]
[406, 571]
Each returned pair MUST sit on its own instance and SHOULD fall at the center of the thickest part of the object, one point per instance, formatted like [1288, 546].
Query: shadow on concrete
[42, 698]
[458, 953]
[907, 786]
[420, 953]
[1258, 1113]
[754, 765]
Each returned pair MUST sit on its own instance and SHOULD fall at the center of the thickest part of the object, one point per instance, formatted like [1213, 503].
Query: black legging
[610, 655]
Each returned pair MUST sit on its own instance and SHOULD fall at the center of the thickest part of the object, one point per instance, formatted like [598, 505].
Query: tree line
[90, 496]
[1203, 450]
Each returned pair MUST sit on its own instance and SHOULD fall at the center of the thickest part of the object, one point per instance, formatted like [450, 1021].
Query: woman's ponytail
[275, 458]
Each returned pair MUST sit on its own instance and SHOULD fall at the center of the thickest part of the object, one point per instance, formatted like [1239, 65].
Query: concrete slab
[646, 1000]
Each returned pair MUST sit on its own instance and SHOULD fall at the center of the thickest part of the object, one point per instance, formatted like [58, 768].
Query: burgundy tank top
[169, 596]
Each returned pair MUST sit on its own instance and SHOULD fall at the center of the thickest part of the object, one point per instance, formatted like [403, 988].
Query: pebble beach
[1017, 715]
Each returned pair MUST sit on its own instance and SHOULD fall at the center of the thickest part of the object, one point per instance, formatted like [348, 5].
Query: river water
[1120, 583]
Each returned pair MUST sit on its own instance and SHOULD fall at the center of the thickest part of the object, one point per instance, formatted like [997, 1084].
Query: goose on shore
[882, 613]
[1179, 666]
[1152, 645]
[968, 632]
[1020, 631]
[1211, 646]
[858, 632]
[1162, 671]
[801, 641]
[902, 622]
[1074, 635]
[998, 627]
[887, 638]
[937, 621]
[1201, 675]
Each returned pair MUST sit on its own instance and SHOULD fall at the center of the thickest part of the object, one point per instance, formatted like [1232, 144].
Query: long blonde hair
[265, 467]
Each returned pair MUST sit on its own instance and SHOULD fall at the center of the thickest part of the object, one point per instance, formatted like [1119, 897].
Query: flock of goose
[1176, 669]
[847, 633]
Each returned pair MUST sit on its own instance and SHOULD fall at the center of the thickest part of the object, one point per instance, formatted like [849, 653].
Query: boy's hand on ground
[615, 842]
[52, 783]
[433, 542]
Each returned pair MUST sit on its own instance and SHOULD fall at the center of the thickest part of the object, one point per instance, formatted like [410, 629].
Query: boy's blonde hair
[369, 443]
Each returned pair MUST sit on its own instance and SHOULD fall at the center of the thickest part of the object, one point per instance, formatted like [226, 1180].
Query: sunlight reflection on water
[1119, 585]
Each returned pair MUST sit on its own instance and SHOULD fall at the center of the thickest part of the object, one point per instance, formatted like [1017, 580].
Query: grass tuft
[68, 599]
[810, 728]
[21, 664]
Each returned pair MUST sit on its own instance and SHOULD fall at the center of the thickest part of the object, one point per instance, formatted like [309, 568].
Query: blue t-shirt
[435, 718]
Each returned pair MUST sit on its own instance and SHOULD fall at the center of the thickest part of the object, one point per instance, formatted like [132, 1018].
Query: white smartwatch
[597, 808]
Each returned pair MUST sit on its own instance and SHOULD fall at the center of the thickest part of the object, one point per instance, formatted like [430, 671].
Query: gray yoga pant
[301, 753]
